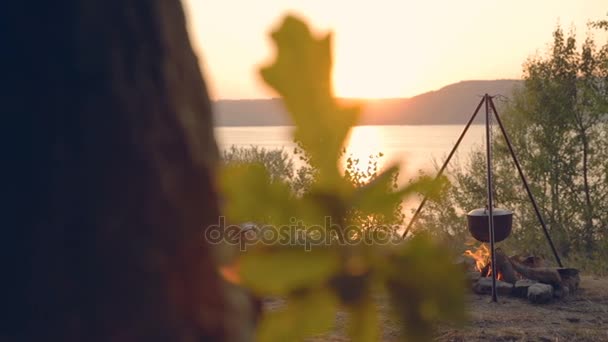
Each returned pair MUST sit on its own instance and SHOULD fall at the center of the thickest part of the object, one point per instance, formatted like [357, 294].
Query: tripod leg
[490, 198]
[445, 164]
[523, 178]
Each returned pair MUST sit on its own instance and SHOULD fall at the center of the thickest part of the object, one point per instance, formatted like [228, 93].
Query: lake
[413, 147]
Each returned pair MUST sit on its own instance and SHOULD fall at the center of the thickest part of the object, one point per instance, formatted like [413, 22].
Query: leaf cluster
[418, 275]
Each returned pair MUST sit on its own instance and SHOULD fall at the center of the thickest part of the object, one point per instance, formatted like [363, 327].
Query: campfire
[520, 276]
[481, 256]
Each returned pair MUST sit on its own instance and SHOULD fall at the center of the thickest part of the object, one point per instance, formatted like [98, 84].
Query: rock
[521, 287]
[540, 293]
[473, 277]
[561, 292]
[484, 286]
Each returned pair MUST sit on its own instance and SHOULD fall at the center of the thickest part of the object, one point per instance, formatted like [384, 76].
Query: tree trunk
[587, 190]
[110, 157]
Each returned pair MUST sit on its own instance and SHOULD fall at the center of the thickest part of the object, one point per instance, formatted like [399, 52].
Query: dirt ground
[580, 317]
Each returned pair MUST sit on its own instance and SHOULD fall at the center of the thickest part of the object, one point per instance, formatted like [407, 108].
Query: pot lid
[495, 212]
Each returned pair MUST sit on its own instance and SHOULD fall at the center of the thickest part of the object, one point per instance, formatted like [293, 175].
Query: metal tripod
[489, 107]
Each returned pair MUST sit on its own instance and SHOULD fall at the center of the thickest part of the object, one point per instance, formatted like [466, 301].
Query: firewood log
[486, 270]
[503, 265]
[547, 275]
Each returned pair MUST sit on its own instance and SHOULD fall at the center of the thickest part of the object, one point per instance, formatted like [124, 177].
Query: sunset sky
[384, 48]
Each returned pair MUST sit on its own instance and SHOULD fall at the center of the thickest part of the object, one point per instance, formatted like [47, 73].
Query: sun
[367, 74]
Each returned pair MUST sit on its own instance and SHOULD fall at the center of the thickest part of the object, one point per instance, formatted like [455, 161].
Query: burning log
[504, 266]
[485, 271]
[547, 275]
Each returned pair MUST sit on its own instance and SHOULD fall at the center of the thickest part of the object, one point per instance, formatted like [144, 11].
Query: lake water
[413, 147]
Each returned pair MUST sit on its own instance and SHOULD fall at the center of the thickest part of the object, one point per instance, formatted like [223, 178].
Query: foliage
[280, 166]
[278, 163]
[557, 124]
[359, 176]
[419, 276]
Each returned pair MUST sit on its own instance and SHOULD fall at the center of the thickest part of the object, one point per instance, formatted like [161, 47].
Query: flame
[231, 273]
[482, 258]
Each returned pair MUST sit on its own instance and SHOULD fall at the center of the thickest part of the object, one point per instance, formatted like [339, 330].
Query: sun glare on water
[364, 142]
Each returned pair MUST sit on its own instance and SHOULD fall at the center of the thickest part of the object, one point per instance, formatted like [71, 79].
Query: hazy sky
[384, 48]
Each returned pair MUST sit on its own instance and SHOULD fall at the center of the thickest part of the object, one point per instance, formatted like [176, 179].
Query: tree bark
[110, 156]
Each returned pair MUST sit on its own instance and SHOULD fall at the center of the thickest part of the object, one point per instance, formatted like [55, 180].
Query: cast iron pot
[479, 224]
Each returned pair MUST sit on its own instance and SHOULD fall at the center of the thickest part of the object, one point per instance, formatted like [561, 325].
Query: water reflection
[364, 145]
[413, 147]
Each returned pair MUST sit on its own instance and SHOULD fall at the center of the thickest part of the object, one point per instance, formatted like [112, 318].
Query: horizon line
[371, 98]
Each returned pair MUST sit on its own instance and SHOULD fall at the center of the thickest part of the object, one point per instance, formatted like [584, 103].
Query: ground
[580, 317]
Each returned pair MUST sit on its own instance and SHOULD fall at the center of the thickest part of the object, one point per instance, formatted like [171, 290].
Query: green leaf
[250, 195]
[422, 282]
[425, 286]
[377, 195]
[281, 271]
[301, 74]
[426, 186]
[306, 315]
[363, 326]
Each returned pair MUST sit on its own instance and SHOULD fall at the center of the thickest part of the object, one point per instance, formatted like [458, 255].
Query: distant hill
[452, 104]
